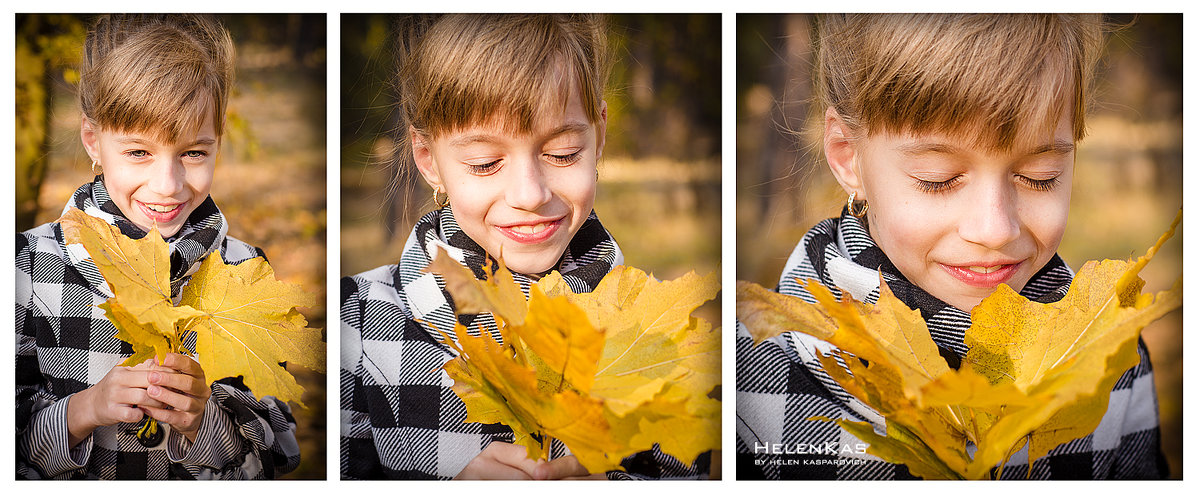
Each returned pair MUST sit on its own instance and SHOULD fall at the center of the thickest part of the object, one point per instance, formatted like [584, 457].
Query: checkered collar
[202, 233]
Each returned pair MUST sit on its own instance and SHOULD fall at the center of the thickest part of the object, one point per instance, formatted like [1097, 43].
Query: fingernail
[153, 391]
[155, 377]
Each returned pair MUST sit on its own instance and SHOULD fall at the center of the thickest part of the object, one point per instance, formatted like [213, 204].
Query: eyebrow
[1058, 147]
[204, 141]
[568, 128]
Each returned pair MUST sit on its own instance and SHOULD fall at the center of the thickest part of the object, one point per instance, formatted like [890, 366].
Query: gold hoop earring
[444, 201]
[94, 172]
[858, 209]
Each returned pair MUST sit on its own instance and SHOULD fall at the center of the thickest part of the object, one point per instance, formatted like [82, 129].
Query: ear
[423, 157]
[841, 153]
[90, 135]
[602, 129]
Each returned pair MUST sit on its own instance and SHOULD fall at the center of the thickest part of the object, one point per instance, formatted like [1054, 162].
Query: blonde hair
[466, 69]
[994, 79]
[158, 74]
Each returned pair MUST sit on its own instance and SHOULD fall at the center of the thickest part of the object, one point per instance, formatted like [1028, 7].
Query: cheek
[200, 180]
[1046, 220]
[120, 184]
[577, 186]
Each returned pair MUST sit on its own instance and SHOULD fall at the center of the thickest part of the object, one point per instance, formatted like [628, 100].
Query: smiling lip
[170, 211]
[983, 274]
[531, 232]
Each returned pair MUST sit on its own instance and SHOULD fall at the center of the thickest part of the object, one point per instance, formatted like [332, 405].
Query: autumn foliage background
[1127, 187]
[270, 177]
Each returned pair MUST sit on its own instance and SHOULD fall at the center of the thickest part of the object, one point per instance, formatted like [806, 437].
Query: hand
[116, 398]
[565, 468]
[505, 461]
[181, 392]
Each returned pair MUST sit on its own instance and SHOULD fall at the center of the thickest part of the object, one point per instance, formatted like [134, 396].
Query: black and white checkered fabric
[65, 345]
[780, 383]
[400, 419]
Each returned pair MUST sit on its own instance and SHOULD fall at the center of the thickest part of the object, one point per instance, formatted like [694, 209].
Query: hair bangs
[495, 73]
[992, 80]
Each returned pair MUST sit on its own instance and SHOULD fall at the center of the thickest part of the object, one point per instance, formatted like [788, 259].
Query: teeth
[161, 208]
[983, 269]
[531, 229]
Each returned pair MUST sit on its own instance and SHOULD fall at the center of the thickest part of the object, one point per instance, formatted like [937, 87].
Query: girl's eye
[484, 168]
[564, 159]
[937, 187]
[1039, 184]
[137, 153]
[195, 154]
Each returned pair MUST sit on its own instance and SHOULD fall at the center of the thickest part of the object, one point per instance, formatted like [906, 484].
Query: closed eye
[934, 187]
[483, 168]
[564, 160]
[1039, 184]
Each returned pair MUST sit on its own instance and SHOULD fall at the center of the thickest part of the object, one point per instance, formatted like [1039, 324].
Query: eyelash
[937, 187]
[560, 160]
[564, 159]
[1040, 184]
[946, 185]
[193, 154]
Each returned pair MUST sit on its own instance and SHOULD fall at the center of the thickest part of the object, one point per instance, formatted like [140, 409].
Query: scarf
[840, 253]
[591, 254]
[202, 233]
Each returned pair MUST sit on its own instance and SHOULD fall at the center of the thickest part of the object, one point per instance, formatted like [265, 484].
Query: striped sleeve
[42, 437]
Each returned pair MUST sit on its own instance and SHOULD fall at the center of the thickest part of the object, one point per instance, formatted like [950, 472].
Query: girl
[954, 138]
[153, 92]
[504, 118]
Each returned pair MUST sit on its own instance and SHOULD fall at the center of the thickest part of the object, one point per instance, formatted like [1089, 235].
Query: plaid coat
[400, 418]
[65, 345]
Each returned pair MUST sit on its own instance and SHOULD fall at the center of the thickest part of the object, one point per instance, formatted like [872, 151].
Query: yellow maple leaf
[248, 325]
[138, 271]
[1036, 374]
[147, 342]
[245, 321]
[610, 373]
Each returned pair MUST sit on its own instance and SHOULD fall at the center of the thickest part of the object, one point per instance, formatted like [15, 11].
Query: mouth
[983, 274]
[161, 212]
[531, 232]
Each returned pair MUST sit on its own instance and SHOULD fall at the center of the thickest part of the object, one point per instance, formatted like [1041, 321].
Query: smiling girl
[153, 92]
[954, 138]
[504, 118]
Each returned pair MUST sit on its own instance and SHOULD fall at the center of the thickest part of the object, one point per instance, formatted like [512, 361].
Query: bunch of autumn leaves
[1036, 375]
[609, 373]
[244, 320]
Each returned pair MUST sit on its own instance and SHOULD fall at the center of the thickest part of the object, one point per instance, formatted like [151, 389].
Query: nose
[991, 218]
[167, 176]
[527, 188]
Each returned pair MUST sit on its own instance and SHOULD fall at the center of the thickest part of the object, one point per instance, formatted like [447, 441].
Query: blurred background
[659, 191]
[270, 177]
[1128, 182]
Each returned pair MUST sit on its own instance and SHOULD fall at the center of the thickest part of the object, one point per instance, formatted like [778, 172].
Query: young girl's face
[958, 221]
[520, 196]
[152, 182]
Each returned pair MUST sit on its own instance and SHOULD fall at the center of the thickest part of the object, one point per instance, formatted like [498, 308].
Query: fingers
[179, 363]
[511, 455]
[493, 472]
[500, 460]
[182, 383]
[561, 468]
[175, 400]
[180, 420]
